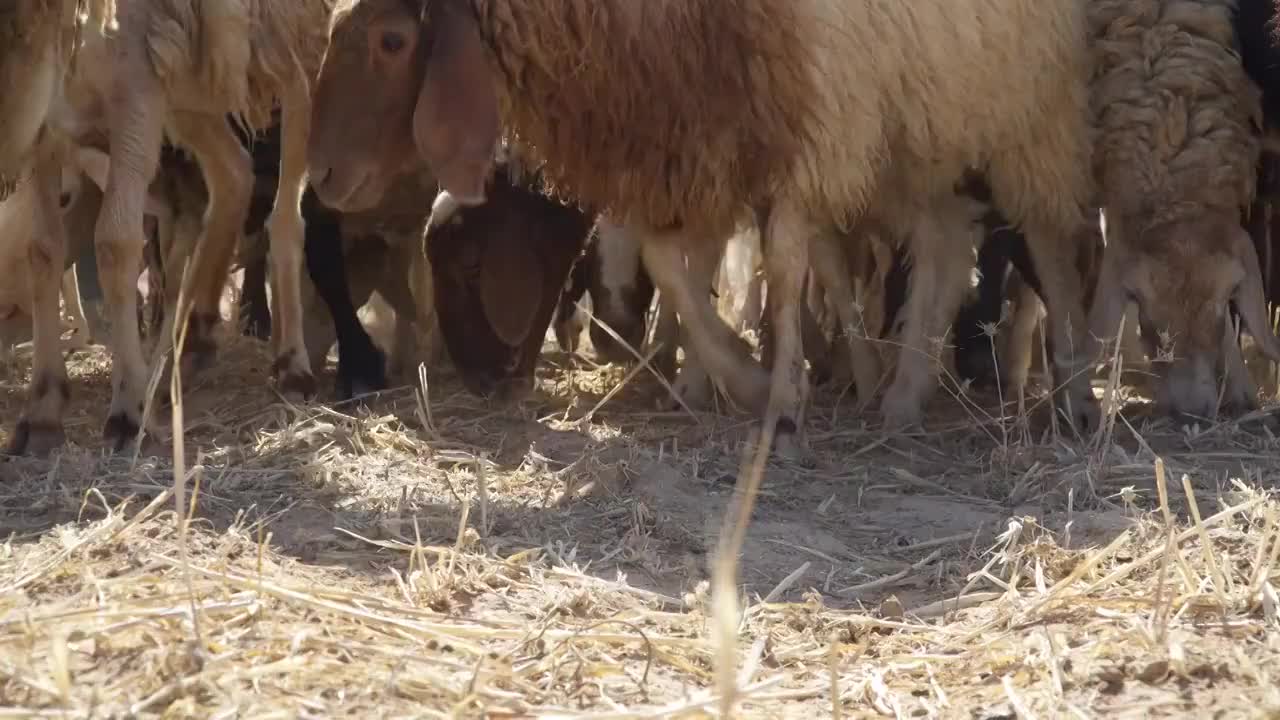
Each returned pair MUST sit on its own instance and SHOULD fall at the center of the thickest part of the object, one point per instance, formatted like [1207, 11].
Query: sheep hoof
[789, 444]
[694, 392]
[901, 412]
[665, 363]
[294, 384]
[297, 386]
[120, 431]
[1085, 413]
[36, 438]
[199, 349]
[361, 377]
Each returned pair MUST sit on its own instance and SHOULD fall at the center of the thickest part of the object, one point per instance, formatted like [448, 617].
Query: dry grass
[448, 558]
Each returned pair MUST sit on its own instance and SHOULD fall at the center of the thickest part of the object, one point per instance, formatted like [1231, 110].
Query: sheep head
[497, 274]
[1185, 276]
[404, 83]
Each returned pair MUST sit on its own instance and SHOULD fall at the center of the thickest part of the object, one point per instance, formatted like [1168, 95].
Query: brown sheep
[798, 115]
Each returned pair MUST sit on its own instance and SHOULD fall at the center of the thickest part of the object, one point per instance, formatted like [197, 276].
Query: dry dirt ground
[438, 557]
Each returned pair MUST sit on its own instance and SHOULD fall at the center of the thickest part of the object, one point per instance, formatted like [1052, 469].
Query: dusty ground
[447, 557]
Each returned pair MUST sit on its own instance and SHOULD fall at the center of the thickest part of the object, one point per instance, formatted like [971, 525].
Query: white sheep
[39, 40]
[20, 221]
[799, 115]
[178, 67]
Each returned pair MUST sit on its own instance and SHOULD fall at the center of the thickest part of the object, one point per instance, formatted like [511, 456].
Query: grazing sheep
[799, 116]
[1177, 158]
[498, 271]
[621, 291]
[177, 67]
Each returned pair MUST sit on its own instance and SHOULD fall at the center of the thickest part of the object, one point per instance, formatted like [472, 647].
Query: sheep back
[236, 53]
[682, 112]
[1176, 113]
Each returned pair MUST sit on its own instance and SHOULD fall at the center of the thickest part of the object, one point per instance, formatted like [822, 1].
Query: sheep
[798, 116]
[620, 289]
[1177, 160]
[358, 253]
[20, 220]
[177, 67]
[622, 292]
[349, 255]
[39, 41]
[498, 272]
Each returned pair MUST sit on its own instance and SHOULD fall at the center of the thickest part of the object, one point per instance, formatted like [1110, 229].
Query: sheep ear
[455, 123]
[1250, 298]
[510, 286]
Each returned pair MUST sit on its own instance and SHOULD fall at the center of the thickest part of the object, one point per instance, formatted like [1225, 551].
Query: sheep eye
[392, 42]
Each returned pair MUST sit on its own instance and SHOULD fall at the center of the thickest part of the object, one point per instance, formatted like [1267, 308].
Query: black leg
[361, 365]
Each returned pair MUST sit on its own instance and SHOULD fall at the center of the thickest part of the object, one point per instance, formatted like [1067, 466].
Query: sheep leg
[361, 365]
[404, 345]
[1067, 328]
[228, 173]
[39, 430]
[749, 316]
[422, 293]
[74, 308]
[936, 289]
[395, 290]
[1241, 394]
[286, 229]
[1018, 345]
[715, 345]
[667, 332]
[830, 264]
[119, 236]
[692, 384]
[785, 241]
[255, 313]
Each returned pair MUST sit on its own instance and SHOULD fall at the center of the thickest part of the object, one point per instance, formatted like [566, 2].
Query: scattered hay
[440, 557]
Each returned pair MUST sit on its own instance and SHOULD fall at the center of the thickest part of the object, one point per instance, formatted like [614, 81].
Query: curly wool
[1177, 116]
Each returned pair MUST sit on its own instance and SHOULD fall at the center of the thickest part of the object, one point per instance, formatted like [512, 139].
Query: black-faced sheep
[499, 269]
[1177, 158]
[468, 295]
[799, 116]
[177, 67]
